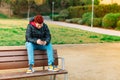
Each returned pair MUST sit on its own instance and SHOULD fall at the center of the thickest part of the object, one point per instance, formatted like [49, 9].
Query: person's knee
[49, 45]
[28, 44]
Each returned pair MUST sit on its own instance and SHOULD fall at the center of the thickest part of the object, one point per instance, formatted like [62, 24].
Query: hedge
[99, 10]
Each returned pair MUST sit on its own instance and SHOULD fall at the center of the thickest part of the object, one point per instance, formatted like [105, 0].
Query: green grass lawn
[12, 33]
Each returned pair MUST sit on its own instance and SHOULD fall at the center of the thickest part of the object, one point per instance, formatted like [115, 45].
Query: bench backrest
[12, 59]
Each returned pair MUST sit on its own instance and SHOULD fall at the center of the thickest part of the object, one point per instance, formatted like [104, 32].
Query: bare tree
[31, 2]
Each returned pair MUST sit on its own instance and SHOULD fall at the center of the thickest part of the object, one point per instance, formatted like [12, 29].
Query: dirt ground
[99, 61]
[92, 61]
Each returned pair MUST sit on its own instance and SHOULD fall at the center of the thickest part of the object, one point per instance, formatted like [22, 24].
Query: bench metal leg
[54, 77]
[65, 76]
[51, 77]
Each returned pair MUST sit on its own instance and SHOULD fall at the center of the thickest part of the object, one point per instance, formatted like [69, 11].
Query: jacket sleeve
[29, 35]
[47, 34]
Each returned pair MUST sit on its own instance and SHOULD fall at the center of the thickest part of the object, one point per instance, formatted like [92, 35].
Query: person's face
[39, 25]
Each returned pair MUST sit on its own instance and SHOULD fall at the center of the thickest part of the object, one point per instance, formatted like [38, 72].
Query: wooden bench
[11, 59]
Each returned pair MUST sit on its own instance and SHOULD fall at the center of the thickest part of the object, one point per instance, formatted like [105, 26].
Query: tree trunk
[28, 13]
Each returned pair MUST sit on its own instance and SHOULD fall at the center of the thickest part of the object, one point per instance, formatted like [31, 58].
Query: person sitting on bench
[38, 37]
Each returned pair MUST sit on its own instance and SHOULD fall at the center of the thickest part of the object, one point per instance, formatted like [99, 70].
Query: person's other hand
[44, 42]
[40, 42]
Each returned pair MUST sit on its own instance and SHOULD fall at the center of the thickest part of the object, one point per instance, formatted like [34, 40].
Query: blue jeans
[30, 51]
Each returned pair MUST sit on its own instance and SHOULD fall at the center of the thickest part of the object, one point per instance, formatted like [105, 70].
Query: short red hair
[38, 19]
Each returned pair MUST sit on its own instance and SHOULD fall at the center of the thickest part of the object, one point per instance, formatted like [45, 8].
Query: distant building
[109, 1]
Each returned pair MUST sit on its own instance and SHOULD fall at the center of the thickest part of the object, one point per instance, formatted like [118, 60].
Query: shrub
[68, 20]
[55, 17]
[58, 18]
[86, 18]
[52, 16]
[88, 22]
[99, 10]
[80, 22]
[117, 16]
[110, 20]
[97, 22]
[61, 16]
[74, 11]
[64, 13]
[73, 20]
[118, 25]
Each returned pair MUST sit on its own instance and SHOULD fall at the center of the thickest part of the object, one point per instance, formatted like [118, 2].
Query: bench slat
[24, 64]
[23, 58]
[35, 74]
[20, 53]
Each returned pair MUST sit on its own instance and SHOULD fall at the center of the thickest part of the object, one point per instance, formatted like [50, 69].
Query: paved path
[92, 29]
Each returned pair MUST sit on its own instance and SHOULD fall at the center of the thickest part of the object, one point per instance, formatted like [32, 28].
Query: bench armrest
[62, 62]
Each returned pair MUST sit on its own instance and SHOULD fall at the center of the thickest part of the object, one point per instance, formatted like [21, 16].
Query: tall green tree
[21, 6]
[18, 5]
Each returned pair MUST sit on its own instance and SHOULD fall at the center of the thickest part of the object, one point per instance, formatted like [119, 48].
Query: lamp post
[92, 13]
[28, 13]
[53, 9]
